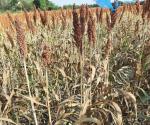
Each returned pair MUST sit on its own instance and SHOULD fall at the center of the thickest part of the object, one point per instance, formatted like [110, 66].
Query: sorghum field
[84, 66]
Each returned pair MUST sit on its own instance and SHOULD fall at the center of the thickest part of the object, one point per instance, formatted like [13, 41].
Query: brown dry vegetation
[75, 67]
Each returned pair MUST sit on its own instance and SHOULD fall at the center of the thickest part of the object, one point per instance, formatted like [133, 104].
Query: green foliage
[52, 6]
[36, 3]
[15, 5]
[27, 5]
[4, 4]
[9, 5]
[94, 5]
[67, 6]
[43, 4]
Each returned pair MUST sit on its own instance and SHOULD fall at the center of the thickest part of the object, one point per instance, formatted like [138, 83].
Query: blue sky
[78, 2]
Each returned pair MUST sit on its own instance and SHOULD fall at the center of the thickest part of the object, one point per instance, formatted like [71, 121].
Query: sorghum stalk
[46, 61]
[23, 51]
[78, 36]
[77, 31]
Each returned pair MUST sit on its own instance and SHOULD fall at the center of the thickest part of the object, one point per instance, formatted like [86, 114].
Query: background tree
[15, 5]
[4, 4]
[37, 3]
[52, 6]
[43, 4]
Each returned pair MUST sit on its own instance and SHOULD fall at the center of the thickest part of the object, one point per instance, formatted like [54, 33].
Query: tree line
[16, 5]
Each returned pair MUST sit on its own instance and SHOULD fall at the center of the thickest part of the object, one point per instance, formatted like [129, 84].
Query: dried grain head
[114, 17]
[63, 13]
[27, 19]
[10, 20]
[98, 15]
[10, 38]
[148, 16]
[35, 16]
[146, 8]
[77, 30]
[82, 18]
[87, 13]
[111, 18]
[130, 8]
[137, 25]
[29, 22]
[138, 6]
[101, 15]
[21, 38]
[91, 30]
[108, 21]
[123, 12]
[53, 21]
[63, 18]
[43, 16]
[108, 48]
[46, 55]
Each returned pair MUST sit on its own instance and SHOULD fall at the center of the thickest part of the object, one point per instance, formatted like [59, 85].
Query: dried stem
[30, 95]
[47, 96]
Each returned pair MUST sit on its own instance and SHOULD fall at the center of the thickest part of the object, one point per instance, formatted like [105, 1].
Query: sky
[78, 2]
